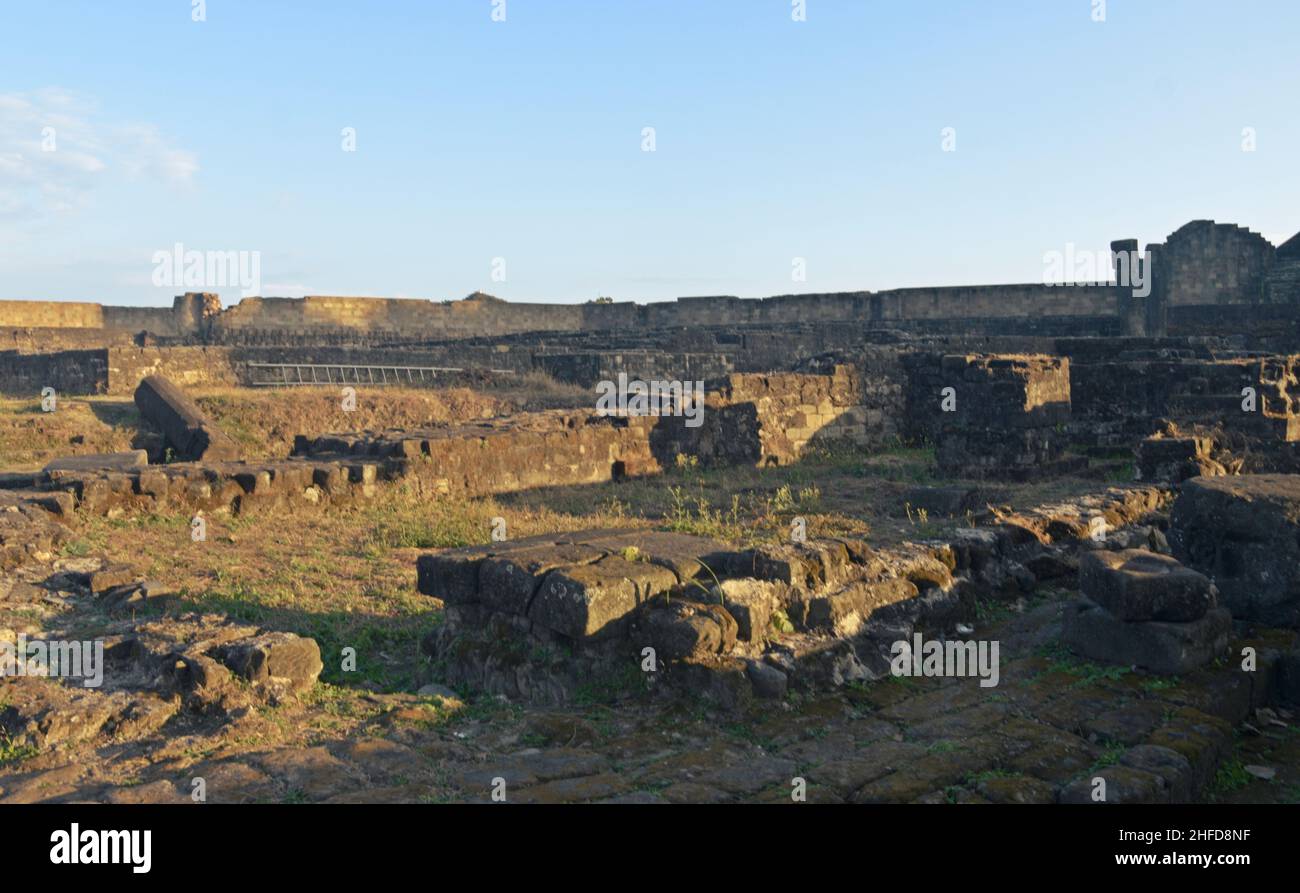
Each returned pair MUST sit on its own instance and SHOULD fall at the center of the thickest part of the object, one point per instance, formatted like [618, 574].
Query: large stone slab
[509, 582]
[1137, 585]
[1244, 533]
[453, 574]
[592, 599]
[182, 424]
[686, 556]
[1166, 648]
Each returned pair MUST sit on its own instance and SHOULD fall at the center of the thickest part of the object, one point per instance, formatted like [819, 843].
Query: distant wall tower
[194, 311]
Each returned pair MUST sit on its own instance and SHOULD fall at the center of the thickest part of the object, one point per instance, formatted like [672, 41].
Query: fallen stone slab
[181, 422]
[1137, 585]
[123, 461]
[1244, 533]
[1165, 648]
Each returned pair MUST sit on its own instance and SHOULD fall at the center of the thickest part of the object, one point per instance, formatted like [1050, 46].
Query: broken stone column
[1146, 610]
[183, 425]
[1002, 416]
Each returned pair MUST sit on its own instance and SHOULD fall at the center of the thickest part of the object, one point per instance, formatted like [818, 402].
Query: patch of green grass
[1109, 757]
[1231, 776]
[12, 753]
[1160, 683]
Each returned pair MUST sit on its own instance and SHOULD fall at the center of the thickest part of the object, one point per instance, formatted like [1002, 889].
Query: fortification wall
[1204, 262]
[1201, 264]
[51, 314]
[409, 318]
[154, 320]
[44, 340]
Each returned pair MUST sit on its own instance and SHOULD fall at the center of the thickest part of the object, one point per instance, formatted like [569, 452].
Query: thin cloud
[56, 148]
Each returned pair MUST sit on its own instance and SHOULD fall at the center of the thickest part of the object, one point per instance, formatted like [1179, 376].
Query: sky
[503, 146]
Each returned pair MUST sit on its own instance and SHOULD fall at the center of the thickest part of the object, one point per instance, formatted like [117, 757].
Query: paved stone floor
[1049, 728]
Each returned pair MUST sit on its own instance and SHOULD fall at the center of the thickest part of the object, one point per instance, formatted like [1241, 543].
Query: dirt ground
[386, 731]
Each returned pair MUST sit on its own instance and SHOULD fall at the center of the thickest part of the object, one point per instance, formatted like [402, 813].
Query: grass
[12, 753]
[1232, 776]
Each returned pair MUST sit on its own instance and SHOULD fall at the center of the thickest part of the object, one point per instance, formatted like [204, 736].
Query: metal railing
[295, 374]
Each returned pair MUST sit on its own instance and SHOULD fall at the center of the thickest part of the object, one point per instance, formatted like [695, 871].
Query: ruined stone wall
[773, 418]
[1125, 398]
[1204, 262]
[401, 317]
[1270, 327]
[998, 302]
[186, 366]
[588, 368]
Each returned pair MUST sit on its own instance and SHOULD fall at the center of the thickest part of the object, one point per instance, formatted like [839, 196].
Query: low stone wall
[187, 366]
[758, 419]
[68, 372]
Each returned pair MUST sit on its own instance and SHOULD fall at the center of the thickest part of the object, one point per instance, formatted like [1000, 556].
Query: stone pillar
[1004, 416]
[1131, 309]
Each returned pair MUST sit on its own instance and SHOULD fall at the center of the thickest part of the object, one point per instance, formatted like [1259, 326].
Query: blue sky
[522, 140]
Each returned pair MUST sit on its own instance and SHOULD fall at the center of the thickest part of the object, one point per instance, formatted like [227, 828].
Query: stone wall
[1001, 415]
[51, 314]
[750, 419]
[1204, 262]
[186, 366]
[588, 368]
[68, 372]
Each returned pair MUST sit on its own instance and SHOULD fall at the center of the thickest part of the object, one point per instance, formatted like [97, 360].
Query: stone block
[1137, 585]
[1166, 648]
[593, 599]
[1244, 533]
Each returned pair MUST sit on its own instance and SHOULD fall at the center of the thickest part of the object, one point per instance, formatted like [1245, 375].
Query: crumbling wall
[1204, 262]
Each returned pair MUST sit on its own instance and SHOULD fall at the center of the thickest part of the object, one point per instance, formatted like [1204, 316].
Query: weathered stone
[1137, 585]
[1244, 533]
[768, 681]
[187, 430]
[114, 575]
[680, 630]
[1166, 648]
[751, 603]
[590, 599]
[508, 582]
[275, 656]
